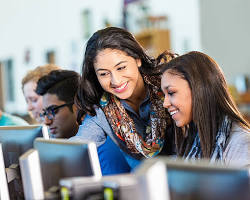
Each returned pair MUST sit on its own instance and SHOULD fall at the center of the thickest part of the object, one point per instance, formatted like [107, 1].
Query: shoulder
[238, 146]
[94, 128]
[99, 120]
[239, 135]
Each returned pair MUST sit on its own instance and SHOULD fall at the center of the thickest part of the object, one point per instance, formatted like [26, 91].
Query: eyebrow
[114, 66]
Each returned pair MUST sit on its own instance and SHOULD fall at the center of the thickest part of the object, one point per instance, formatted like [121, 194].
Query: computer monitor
[31, 175]
[199, 180]
[4, 192]
[152, 181]
[15, 141]
[123, 186]
[61, 158]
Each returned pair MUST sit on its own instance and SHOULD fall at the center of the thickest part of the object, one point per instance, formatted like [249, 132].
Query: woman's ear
[138, 62]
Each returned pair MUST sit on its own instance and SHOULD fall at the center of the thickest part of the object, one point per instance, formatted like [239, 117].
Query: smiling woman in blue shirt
[121, 94]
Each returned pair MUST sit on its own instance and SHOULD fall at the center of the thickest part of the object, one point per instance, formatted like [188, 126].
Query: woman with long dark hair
[122, 96]
[208, 123]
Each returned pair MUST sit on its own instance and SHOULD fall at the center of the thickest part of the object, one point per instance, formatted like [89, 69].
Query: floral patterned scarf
[126, 135]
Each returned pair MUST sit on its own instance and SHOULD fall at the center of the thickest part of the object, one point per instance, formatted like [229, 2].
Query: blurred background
[36, 32]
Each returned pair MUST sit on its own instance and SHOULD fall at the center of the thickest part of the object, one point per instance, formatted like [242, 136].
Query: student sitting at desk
[208, 123]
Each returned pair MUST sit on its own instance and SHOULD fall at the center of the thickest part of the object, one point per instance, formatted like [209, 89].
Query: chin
[124, 96]
[178, 124]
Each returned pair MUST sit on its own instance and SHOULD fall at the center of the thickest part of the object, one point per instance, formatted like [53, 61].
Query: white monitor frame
[31, 175]
[8, 174]
[91, 150]
[4, 191]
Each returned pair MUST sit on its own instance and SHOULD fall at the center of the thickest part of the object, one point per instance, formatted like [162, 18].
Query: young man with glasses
[58, 89]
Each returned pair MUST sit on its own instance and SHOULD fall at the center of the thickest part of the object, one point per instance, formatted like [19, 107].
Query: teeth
[173, 112]
[122, 86]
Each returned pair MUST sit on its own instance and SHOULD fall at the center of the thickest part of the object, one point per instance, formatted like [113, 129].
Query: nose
[115, 79]
[47, 121]
[166, 103]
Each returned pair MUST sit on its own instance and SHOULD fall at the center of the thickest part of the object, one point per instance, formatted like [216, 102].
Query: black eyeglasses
[51, 111]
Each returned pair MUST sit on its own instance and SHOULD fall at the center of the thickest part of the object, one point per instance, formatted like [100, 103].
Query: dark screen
[61, 159]
[208, 184]
[15, 141]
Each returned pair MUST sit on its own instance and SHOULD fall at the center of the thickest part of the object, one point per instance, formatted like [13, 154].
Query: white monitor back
[15, 141]
[31, 175]
[192, 180]
[61, 158]
[4, 192]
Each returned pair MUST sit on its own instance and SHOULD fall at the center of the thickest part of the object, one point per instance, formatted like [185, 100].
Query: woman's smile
[121, 88]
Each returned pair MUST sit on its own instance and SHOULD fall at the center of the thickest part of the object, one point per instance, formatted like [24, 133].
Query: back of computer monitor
[4, 192]
[123, 186]
[61, 158]
[31, 175]
[152, 180]
[198, 180]
[15, 141]
[203, 181]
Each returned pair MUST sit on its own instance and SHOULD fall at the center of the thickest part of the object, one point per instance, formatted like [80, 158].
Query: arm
[94, 128]
[111, 159]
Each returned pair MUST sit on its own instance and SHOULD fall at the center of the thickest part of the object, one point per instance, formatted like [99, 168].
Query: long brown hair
[211, 100]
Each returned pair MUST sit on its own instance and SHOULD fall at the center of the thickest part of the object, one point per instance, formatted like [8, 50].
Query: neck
[138, 95]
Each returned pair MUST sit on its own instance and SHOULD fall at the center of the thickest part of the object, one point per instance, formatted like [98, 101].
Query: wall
[43, 25]
[225, 31]
[183, 22]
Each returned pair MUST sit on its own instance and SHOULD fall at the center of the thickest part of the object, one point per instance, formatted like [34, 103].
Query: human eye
[50, 109]
[121, 68]
[171, 93]
[33, 100]
[54, 110]
[103, 74]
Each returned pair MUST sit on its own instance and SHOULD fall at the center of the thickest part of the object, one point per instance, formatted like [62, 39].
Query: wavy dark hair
[90, 90]
[211, 100]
